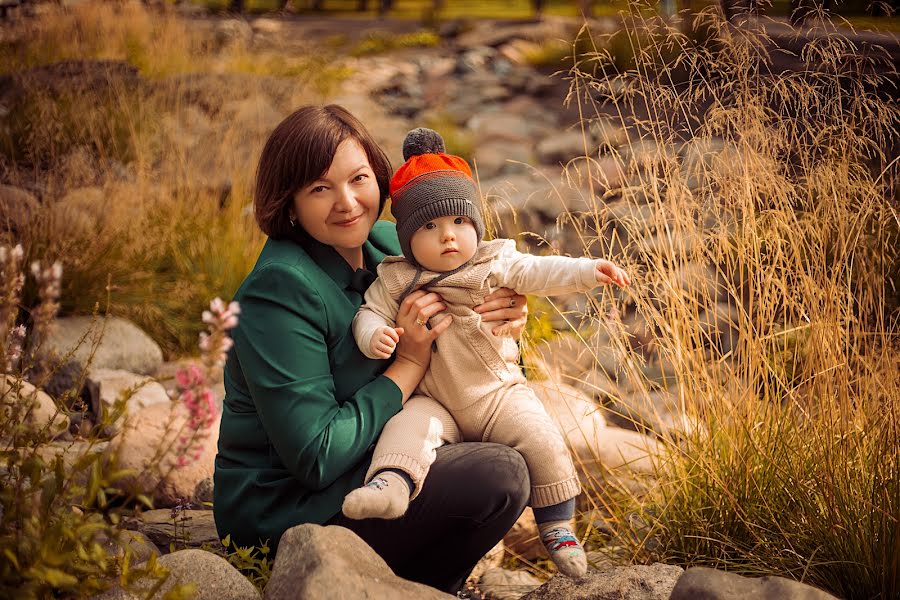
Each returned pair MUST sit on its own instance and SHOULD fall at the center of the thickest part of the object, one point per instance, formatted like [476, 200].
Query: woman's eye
[361, 177]
[318, 188]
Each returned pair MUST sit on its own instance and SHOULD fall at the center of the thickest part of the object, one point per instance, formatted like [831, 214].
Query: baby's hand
[385, 341]
[608, 272]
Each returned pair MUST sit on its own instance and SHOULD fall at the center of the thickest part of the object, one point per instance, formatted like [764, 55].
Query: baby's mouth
[449, 251]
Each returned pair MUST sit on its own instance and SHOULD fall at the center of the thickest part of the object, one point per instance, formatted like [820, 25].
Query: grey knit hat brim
[430, 196]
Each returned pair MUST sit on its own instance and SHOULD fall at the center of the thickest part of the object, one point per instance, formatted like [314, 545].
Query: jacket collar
[334, 265]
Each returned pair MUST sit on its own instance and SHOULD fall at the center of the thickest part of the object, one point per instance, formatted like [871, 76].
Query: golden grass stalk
[780, 187]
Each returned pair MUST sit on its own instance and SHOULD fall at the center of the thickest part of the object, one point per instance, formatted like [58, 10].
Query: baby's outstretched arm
[384, 342]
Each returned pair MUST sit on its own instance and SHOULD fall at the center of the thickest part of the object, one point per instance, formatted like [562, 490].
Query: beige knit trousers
[518, 420]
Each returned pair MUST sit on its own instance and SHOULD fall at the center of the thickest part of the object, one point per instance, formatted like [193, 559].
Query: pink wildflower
[192, 382]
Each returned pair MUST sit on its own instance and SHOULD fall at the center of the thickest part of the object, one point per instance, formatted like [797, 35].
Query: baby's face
[445, 243]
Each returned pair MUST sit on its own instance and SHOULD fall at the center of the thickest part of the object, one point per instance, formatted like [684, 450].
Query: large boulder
[214, 577]
[333, 562]
[596, 449]
[211, 575]
[701, 583]
[31, 406]
[150, 445]
[141, 391]
[122, 346]
[638, 582]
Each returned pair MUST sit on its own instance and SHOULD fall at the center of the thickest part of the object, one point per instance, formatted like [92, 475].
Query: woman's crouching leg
[471, 498]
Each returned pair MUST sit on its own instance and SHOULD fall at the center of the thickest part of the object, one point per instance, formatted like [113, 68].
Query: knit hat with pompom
[431, 184]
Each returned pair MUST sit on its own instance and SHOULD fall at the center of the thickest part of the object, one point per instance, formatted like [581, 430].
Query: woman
[303, 407]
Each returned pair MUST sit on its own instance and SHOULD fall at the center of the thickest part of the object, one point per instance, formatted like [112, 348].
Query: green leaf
[227, 541]
[57, 577]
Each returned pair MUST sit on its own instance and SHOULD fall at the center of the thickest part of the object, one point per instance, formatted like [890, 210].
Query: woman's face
[340, 208]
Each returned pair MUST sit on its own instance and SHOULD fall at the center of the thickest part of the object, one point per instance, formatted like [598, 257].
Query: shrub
[793, 468]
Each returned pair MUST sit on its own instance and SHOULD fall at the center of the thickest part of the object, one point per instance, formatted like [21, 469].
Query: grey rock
[494, 158]
[701, 583]
[608, 134]
[204, 491]
[640, 582]
[141, 391]
[213, 576]
[659, 411]
[495, 125]
[562, 147]
[149, 446]
[34, 408]
[138, 545]
[502, 584]
[188, 529]
[123, 345]
[332, 562]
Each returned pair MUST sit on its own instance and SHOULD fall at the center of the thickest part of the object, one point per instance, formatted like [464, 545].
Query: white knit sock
[564, 549]
[386, 496]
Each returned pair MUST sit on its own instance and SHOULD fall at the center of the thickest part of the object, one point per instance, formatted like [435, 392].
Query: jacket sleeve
[542, 275]
[282, 347]
[379, 310]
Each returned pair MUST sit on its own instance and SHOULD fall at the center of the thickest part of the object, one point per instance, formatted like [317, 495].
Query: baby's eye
[459, 220]
[429, 226]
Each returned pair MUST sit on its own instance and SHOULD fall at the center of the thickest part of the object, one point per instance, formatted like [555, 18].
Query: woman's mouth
[349, 222]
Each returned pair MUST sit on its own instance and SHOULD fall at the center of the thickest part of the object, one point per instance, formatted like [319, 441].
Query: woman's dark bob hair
[298, 152]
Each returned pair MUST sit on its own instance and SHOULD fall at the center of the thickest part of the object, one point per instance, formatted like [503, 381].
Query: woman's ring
[512, 302]
[420, 322]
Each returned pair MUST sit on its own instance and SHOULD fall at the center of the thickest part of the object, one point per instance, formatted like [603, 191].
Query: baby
[474, 388]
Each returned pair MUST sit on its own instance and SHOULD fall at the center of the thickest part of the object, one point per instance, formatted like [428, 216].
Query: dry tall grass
[141, 148]
[787, 359]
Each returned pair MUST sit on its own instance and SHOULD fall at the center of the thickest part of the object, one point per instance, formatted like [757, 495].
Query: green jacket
[303, 406]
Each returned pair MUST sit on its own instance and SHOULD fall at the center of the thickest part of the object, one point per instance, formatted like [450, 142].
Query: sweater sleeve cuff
[586, 276]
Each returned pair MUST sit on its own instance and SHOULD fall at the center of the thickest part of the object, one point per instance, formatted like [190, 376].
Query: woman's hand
[507, 306]
[412, 317]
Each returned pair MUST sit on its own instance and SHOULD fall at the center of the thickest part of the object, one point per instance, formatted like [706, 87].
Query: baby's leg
[520, 421]
[403, 455]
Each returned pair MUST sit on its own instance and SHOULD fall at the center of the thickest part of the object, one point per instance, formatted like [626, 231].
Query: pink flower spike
[217, 306]
[182, 378]
[196, 374]
[234, 308]
[207, 317]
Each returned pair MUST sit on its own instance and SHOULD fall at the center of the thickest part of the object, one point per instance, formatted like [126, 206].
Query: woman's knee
[497, 471]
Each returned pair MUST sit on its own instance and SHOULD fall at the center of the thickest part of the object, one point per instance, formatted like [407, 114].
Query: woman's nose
[345, 201]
